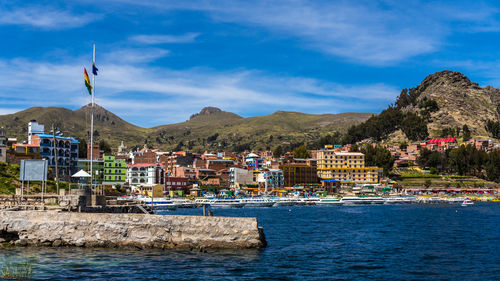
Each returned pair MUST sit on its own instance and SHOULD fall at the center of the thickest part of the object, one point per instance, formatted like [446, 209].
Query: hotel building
[346, 167]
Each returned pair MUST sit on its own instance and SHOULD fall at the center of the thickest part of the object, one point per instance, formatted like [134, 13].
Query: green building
[115, 170]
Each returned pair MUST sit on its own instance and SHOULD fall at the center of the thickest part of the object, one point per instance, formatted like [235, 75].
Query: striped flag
[94, 69]
[87, 81]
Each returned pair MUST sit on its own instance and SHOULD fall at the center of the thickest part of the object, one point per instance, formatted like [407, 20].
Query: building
[238, 177]
[67, 153]
[145, 174]
[175, 184]
[347, 167]
[115, 170]
[272, 178]
[34, 128]
[300, 172]
[3, 146]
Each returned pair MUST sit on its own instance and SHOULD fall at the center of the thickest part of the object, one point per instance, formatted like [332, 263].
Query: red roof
[441, 140]
[142, 165]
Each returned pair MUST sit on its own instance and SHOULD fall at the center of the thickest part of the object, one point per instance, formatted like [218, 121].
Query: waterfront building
[272, 178]
[299, 172]
[115, 170]
[239, 177]
[348, 167]
[3, 145]
[176, 185]
[145, 174]
[67, 153]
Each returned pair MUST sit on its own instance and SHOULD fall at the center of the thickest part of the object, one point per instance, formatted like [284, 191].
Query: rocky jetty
[51, 228]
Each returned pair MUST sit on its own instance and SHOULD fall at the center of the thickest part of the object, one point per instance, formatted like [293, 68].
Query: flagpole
[92, 125]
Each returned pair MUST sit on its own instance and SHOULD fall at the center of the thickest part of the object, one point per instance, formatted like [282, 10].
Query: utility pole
[55, 157]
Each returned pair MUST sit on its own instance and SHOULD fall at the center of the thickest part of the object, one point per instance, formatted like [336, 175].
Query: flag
[94, 69]
[87, 81]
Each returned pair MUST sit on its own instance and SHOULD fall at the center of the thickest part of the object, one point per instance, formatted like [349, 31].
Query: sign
[33, 170]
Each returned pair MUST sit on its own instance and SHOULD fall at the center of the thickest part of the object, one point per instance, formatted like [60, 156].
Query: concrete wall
[51, 228]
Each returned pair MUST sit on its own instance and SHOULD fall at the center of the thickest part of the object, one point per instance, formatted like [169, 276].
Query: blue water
[387, 242]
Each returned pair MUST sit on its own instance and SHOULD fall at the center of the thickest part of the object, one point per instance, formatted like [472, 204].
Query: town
[340, 170]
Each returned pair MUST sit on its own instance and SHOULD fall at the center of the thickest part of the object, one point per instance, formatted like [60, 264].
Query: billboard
[33, 170]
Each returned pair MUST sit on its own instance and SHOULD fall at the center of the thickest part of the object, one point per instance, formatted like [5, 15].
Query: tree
[427, 183]
[378, 156]
[301, 152]
[354, 148]
[414, 127]
[403, 145]
[82, 148]
[278, 151]
[104, 146]
[466, 133]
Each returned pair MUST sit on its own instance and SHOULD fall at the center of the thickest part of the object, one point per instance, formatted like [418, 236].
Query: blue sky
[162, 61]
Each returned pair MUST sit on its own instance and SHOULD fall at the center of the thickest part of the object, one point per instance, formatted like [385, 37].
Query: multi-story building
[145, 174]
[115, 170]
[34, 128]
[67, 153]
[238, 177]
[272, 178]
[300, 172]
[3, 145]
[345, 167]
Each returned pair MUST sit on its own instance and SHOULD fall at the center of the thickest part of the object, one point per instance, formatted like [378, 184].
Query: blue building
[67, 153]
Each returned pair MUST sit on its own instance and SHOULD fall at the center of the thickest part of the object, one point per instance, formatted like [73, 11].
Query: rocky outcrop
[50, 228]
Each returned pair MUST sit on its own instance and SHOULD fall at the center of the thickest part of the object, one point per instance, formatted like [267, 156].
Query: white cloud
[45, 17]
[164, 39]
[151, 96]
[124, 56]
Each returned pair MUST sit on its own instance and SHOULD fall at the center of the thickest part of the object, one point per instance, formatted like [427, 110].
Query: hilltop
[442, 105]
[210, 128]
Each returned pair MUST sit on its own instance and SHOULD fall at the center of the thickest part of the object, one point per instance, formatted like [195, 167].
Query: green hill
[211, 128]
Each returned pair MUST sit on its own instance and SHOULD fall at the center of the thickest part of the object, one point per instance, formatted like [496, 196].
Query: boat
[329, 201]
[310, 200]
[400, 200]
[257, 202]
[158, 203]
[184, 203]
[467, 202]
[362, 200]
[220, 203]
[280, 202]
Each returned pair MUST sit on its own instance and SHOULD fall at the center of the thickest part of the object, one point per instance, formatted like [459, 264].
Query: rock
[51, 228]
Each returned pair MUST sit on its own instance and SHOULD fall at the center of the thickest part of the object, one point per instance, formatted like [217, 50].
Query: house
[346, 167]
[64, 150]
[3, 145]
[145, 174]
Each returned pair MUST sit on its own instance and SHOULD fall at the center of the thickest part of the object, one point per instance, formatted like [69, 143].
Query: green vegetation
[17, 270]
[9, 178]
[301, 152]
[378, 156]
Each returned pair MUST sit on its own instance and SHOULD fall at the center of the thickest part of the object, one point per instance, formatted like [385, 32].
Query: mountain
[211, 128]
[460, 101]
[444, 104]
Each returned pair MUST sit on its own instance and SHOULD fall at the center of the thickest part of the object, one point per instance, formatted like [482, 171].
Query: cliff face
[44, 228]
[461, 102]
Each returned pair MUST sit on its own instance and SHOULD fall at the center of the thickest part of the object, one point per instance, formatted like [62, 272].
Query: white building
[272, 178]
[34, 128]
[238, 176]
[144, 174]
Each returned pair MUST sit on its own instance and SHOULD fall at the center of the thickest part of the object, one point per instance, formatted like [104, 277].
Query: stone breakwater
[51, 228]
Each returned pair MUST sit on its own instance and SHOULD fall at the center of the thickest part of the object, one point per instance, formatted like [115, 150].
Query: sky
[161, 61]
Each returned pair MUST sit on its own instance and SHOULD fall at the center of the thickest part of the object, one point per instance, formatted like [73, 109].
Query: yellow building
[345, 167]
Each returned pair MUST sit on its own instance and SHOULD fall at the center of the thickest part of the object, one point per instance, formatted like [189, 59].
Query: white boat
[257, 202]
[280, 202]
[362, 200]
[467, 202]
[400, 200]
[329, 201]
[220, 203]
[184, 203]
[310, 200]
[457, 200]
[158, 203]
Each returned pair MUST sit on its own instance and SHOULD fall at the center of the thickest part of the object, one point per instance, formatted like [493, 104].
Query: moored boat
[329, 201]
[257, 202]
[362, 200]
[220, 203]
[467, 202]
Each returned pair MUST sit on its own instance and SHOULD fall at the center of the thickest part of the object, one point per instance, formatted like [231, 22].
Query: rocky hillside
[460, 101]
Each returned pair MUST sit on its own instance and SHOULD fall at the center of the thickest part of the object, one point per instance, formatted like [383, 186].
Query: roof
[441, 140]
[24, 145]
[142, 165]
[349, 153]
[58, 137]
